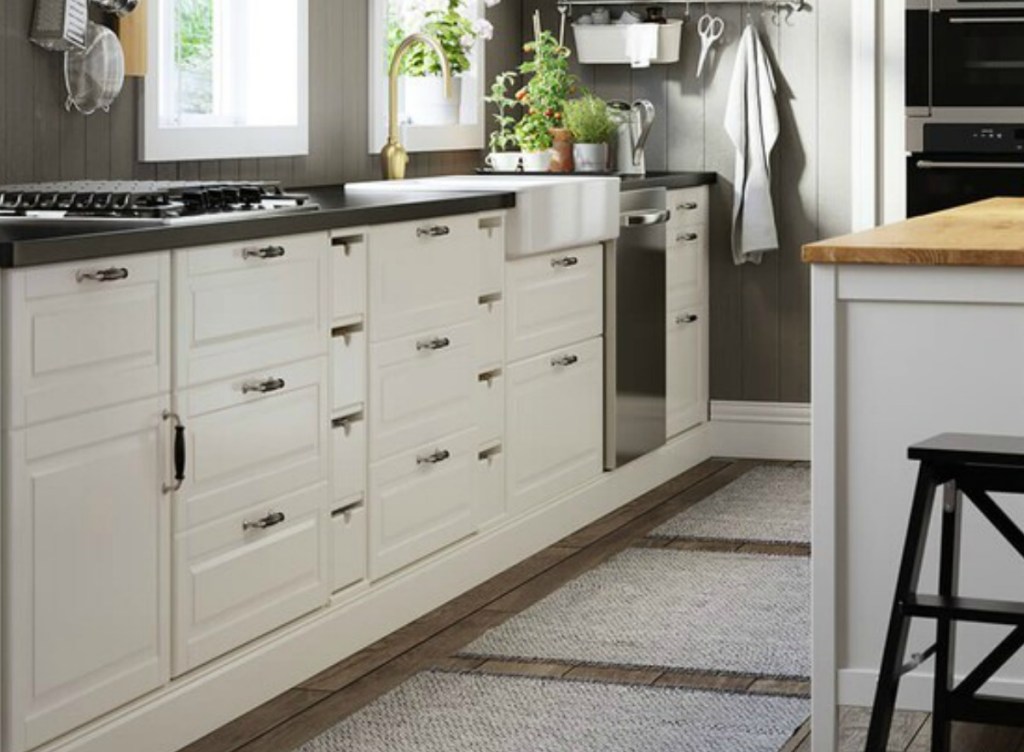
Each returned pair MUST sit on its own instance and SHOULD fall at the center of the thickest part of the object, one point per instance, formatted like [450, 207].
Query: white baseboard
[857, 687]
[761, 430]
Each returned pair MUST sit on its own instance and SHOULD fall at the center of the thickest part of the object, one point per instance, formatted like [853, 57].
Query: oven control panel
[974, 138]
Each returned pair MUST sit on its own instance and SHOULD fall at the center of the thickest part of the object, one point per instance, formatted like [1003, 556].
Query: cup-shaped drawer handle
[113, 274]
[565, 361]
[263, 387]
[437, 343]
[272, 519]
[565, 262]
[433, 231]
[688, 206]
[687, 237]
[266, 252]
[687, 318]
[434, 457]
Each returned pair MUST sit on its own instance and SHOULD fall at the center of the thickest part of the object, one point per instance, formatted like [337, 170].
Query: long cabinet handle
[434, 457]
[565, 262]
[687, 237]
[564, 361]
[433, 231]
[266, 252]
[272, 519]
[437, 343]
[645, 219]
[263, 387]
[113, 274]
[688, 318]
[179, 452]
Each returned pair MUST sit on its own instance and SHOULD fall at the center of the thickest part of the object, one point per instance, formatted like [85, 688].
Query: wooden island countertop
[987, 233]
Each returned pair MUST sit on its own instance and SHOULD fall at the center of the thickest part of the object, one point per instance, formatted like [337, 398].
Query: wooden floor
[433, 640]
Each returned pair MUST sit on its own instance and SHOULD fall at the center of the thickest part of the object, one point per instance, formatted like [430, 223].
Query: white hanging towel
[752, 122]
[641, 44]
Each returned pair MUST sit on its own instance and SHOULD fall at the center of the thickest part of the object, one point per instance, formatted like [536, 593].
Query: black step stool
[969, 466]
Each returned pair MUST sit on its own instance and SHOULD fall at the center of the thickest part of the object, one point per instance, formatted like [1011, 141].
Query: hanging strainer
[94, 76]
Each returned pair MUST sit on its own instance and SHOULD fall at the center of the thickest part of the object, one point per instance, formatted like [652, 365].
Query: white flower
[491, 3]
[483, 28]
[467, 41]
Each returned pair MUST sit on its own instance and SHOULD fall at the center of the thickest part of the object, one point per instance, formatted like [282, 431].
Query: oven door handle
[928, 164]
[986, 19]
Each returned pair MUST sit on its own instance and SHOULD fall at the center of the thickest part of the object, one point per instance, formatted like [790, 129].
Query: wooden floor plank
[796, 742]
[525, 668]
[788, 687]
[853, 729]
[696, 680]
[969, 737]
[616, 675]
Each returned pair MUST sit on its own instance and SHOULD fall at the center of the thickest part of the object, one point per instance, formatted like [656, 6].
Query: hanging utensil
[94, 76]
[117, 7]
[710, 29]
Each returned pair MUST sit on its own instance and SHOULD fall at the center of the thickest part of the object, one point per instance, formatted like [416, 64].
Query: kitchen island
[918, 329]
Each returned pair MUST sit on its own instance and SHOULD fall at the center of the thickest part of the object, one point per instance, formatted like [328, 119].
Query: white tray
[606, 43]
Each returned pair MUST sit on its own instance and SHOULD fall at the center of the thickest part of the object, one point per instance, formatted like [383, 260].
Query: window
[227, 78]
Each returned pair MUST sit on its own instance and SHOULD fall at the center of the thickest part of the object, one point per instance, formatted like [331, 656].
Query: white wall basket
[603, 44]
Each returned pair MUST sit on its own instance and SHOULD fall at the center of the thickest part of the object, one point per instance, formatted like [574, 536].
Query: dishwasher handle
[645, 218]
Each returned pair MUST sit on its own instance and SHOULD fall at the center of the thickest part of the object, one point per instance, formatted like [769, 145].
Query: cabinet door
[421, 501]
[685, 261]
[87, 539]
[423, 275]
[554, 300]
[348, 275]
[554, 424]
[687, 369]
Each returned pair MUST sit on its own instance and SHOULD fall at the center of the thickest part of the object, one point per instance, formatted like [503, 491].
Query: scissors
[710, 29]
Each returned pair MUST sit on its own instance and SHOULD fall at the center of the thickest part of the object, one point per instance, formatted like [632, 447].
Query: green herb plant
[548, 87]
[445, 20]
[588, 119]
[503, 137]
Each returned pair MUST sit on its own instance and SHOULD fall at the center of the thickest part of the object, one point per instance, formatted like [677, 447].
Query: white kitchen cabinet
[686, 358]
[489, 407]
[554, 299]
[690, 207]
[348, 368]
[490, 334]
[348, 275]
[421, 387]
[348, 448]
[423, 275]
[253, 438]
[348, 545]
[686, 258]
[491, 252]
[87, 540]
[554, 423]
[85, 335]
[246, 306]
[490, 486]
[421, 501]
[248, 573]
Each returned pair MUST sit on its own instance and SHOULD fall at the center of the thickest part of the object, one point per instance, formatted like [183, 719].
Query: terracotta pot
[561, 160]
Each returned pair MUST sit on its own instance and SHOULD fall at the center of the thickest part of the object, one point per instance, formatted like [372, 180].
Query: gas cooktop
[162, 202]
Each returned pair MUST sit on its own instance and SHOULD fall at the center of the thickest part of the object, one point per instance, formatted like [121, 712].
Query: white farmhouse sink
[551, 213]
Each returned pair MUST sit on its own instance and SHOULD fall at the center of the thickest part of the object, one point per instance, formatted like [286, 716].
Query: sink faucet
[393, 157]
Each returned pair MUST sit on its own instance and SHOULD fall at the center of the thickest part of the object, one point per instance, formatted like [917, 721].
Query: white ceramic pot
[424, 102]
[590, 157]
[537, 161]
[504, 161]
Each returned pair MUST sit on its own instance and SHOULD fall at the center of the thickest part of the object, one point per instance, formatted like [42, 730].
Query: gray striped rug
[441, 712]
[769, 504]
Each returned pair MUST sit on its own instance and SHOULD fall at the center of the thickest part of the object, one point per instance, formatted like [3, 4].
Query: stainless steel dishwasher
[635, 327]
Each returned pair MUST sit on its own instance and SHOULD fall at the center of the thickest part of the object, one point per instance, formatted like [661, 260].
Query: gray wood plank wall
[40, 141]
[760, 315]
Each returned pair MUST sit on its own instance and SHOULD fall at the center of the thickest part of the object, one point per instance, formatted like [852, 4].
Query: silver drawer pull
[688, 318]
[274, 518]
[645, 219]
[113, 274]
[564, 262]
[434, 457]
[687, 237]
[437, 343]
[688, 206]
[263, 387]
[433, 231]
[267, 252]
[565, 361]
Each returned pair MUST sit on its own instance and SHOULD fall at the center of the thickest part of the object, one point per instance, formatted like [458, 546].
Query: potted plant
[534, 137]
[503, 156]
[592, 128]
[447, 21]
[549, 84]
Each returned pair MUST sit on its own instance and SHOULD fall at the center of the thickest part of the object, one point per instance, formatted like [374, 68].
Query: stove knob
[251, 194]
[195, 202]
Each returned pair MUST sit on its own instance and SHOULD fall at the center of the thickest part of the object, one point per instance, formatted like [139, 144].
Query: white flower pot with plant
[423, 97]
[503, 156]
[592, 128]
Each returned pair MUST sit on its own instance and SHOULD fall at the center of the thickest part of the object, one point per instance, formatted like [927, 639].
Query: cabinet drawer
[348, 275]
[75, 343]
[246, 446]
[490, 487]
[490, 407]
[423, 275]
[492, 254]
[421, 501]
[348, 369]
[689, 207]
[685, 259]
[348, 546]
[490, 321]
[238, 311]
[249, 573]
[348, 449]
[687, 367]
[554, 300]
[554, 424]
[418, 393]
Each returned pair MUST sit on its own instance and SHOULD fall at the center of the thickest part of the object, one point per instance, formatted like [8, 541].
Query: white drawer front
[554, 300]
[418, 393]
[246, 447]
[348, 546]
[492, 254]
[237, 311]
[686, 356]
[235, 582]
[491, 334]
[490, 487]
[348, 448]
[689, 207]
[348, 275]
[685, 260]
[421, 501]
[490, 407]
[348, 369]
[423, 274]
[554, 424]
[76, 343]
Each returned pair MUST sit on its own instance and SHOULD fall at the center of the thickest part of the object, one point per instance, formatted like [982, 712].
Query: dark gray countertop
[670, 180]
